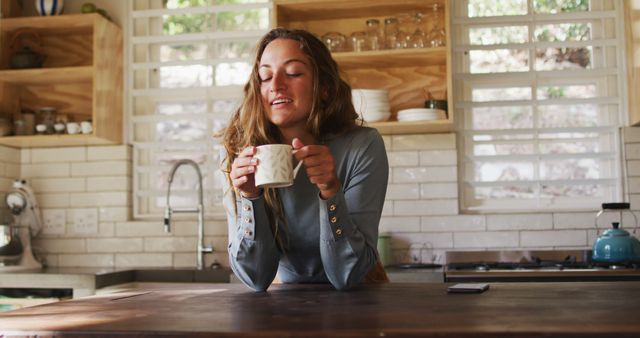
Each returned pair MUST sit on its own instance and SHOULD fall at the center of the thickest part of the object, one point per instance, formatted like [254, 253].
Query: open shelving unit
[81, 76]
[408, 74]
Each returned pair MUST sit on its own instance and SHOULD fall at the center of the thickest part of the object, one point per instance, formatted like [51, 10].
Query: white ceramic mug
[73, 128]
[86, 127]
[275, 166]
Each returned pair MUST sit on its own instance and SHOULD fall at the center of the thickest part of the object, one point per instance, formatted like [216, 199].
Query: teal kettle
[616, 245]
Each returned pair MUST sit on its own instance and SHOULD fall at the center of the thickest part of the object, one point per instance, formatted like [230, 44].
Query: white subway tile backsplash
[170, 244]
[426, 207]
[61, 245]
[101, 168]
[12, 170]
[632, 151]
[50, 155]
[387, 142]
[97, 199]
[45, 170]
[633, 168]
[438, 190]
[117, 214]
[86, 260]
[489, 239]
[553, 238]
[631, 134]
[9, 154]
[403, 158]
[140, 229]
[53, 200]
[114, 245]
[115, 183]
[423, 141]
[519, 221]
[387, 208]
[453, 223]
[574, 220]
[102, 153]
[421, 240]
[106, 229]
[424, 174]
[634, 184]
[438, 157]
[399, 224]
[25, 155]
[402, 192]
[146, 260]
[57, 185]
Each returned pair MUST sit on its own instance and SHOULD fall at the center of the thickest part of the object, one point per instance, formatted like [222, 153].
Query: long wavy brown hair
[332, 113]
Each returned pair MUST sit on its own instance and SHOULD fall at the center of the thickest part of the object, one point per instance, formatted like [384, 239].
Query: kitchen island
[596, 309]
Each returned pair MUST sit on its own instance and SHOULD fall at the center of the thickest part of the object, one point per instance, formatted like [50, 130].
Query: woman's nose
[277, 82]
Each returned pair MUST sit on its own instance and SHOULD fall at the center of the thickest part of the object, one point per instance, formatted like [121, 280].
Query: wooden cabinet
[408, 74]
[81, 76]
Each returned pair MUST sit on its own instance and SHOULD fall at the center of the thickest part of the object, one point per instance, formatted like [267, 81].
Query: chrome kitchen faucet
[201, 248]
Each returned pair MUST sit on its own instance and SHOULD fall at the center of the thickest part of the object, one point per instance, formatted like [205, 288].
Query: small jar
[336, 42]
[391, 33]
[47, 117]
[374, 38]
[359, 41]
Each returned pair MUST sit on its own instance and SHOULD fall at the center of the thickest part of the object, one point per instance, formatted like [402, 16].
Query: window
[187, 63]
[538, 89]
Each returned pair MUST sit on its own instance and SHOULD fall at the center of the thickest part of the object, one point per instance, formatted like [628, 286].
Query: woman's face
[286, 83]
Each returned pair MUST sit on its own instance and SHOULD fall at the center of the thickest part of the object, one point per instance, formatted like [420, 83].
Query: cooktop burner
[525, 266]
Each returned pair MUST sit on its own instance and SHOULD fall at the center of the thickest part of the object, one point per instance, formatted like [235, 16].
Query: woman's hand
[319, 165]
[242, 173]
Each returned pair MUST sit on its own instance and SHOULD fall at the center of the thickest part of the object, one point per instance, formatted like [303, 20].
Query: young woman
[324, 227]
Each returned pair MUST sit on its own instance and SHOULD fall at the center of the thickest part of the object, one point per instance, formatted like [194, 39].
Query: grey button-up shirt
[330, 240]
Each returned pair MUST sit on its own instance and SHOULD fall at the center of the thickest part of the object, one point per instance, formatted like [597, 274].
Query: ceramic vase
[49, 7]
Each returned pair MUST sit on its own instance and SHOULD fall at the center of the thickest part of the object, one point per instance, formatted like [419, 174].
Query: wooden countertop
[594, 309]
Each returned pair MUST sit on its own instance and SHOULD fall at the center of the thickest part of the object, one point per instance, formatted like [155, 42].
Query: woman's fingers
[242, 170]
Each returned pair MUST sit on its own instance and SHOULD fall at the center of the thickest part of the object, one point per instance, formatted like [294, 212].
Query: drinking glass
[358, 41]
[336, 42]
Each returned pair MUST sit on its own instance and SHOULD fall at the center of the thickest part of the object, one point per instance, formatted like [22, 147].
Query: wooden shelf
[56, 24]
[44, 76]
[416, 57]
[412, 127]
[288, 10]
[43, 141]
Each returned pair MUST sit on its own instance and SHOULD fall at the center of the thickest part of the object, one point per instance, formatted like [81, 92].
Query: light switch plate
[54, 221]
[85, 221]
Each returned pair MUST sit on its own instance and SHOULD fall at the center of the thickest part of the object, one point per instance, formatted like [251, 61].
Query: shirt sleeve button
[246, 207]
[339, 232]
[333, 219]
[248, 232]
[247, 220]
[332, 207]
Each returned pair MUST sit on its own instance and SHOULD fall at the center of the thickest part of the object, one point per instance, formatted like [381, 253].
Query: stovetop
[525, 266]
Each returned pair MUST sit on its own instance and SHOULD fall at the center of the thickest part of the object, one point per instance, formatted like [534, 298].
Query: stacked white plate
[421, 114]
[371, 104]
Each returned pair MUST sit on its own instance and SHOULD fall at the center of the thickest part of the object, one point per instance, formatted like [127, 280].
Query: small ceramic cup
[41, 128]
[73, 128]
[275, 166]
[59, 128]
[86, 127]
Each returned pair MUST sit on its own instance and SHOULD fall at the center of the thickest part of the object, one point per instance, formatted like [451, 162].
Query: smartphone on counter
[468, 288]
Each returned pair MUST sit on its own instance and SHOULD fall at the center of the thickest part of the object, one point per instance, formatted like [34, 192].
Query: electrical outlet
[85, 221]
[54, 221]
